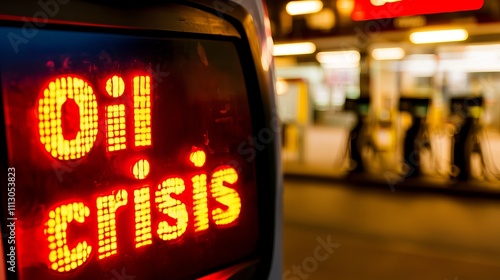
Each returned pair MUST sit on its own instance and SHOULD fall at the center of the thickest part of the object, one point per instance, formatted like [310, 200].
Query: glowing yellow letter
[75, 98]
[106, 221]
[200, 193]
[142, 217]
[61, 258]
[226, 196]
[172, 207]
[142, 110]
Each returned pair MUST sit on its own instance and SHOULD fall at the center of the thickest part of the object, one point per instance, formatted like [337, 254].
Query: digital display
[130, 155]
[363, 109]
[465, 105]
[415, 106]
[421, 111]
[378, 9]
[361, 105]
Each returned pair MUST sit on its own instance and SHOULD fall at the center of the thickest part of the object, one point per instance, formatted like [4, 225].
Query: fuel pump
[466, 113]
[416, 137]
[357, 136]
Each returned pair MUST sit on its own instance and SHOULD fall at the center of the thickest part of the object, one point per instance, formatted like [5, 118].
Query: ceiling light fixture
[294, 8]
[439, 36]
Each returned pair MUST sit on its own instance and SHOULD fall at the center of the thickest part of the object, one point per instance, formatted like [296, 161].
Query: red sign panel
[376, 9]
[126, 156]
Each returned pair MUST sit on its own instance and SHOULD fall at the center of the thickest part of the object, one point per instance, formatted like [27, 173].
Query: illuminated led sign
[62, 258]
[133, 156]
[378, 9]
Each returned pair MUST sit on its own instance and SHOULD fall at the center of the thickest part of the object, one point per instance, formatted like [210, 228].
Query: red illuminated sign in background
[132, 157]
[376, 9]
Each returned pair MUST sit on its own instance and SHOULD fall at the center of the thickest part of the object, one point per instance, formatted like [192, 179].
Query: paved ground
[337, 232]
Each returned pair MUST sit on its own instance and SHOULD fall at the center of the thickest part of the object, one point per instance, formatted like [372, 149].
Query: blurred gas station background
[390, 138]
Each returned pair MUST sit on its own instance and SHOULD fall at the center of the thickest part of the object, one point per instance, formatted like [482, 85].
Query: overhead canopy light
[388, 53]
[439, 36]
[294, 49]
[339, 59]
[303, 7]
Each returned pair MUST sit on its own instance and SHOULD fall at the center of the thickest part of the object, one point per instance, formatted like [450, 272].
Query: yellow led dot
[142, 96]
[51, 223]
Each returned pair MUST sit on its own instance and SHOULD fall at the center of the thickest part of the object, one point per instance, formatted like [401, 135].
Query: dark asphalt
[379, 234]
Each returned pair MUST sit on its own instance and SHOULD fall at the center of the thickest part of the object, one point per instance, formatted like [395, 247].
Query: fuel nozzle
[415, 139]
[357, 136]
[467, 112]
